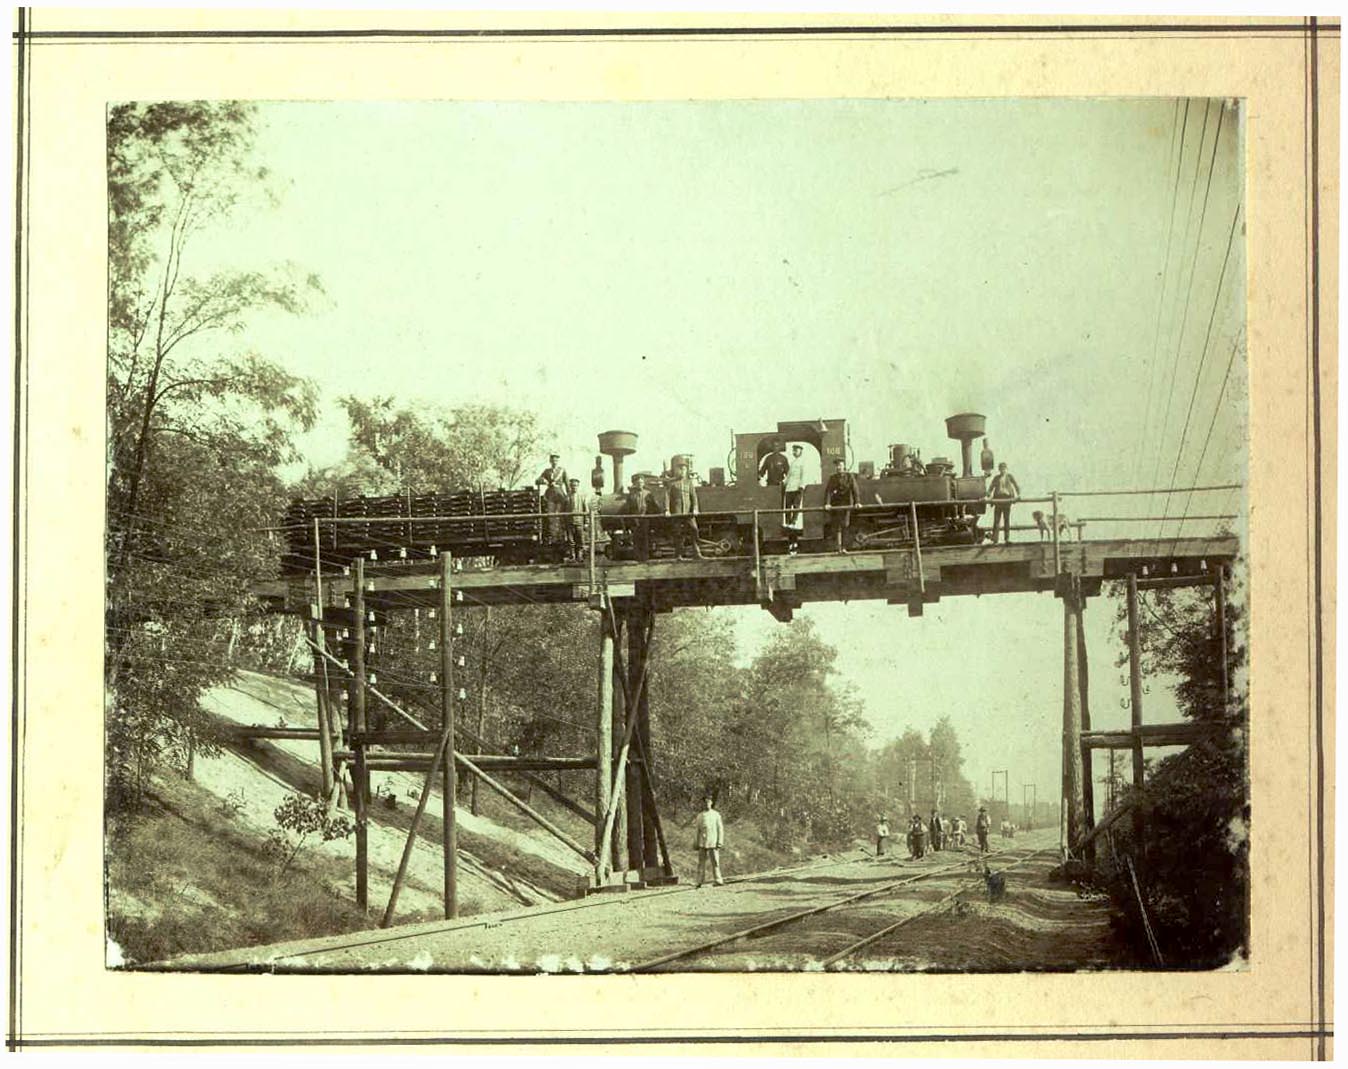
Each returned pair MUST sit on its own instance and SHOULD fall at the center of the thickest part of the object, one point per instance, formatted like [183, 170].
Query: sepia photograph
[677, 536]
[684, 535]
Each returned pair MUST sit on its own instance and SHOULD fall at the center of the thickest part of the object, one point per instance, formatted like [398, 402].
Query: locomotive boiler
[734, 506]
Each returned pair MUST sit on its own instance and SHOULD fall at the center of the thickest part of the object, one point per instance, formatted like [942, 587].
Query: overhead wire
[1183, 323]
[1202, 361]
[1177, 137]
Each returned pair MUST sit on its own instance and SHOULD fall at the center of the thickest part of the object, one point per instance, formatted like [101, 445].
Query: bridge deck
[780, 582]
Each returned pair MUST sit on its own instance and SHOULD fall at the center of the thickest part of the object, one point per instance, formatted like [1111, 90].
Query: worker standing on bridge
[639, 504]
[982, 826]
[554, 483]
[793, 496]
[881, 836]
[681, 495]
[710, 839]
[577, 514]
[774, 466]
[1002, 488]
[841, 496]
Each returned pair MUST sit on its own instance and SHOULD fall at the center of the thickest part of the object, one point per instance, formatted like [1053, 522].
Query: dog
[1045, 525]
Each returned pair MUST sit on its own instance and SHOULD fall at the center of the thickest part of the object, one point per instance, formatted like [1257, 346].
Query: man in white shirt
[793, 495]
[710, 838]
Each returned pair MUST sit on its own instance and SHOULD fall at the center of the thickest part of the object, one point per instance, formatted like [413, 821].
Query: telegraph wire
[1179, 338]
[1207, 341]
[1181, 129]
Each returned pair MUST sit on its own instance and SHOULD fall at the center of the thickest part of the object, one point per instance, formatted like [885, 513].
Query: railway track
[389, 938]
[709, 950]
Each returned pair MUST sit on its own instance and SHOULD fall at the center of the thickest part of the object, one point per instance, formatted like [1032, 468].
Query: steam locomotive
[505, 525]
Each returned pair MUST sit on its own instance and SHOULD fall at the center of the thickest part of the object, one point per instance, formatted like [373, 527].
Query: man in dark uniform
[597, 476]
[1002, 488]
[681, 495]
[841, 496]
[576, 520]
[640, 503]
[554, 482]
[774, 466]
[982, 826]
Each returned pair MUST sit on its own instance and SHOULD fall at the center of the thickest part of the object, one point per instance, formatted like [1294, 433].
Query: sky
[685, 270]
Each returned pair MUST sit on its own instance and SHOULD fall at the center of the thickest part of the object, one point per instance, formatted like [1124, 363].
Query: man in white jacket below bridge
[710, 838]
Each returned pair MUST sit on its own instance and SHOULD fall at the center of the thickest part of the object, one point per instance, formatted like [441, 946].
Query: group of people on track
[939, 833]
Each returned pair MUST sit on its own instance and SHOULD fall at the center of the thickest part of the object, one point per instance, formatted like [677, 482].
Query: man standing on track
[710, 838]
[982, 826]
[881, 836]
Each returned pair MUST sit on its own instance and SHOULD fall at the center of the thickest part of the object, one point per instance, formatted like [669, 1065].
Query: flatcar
[734, 504]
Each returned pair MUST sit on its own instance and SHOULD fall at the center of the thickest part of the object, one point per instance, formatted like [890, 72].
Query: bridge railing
[1057, 524]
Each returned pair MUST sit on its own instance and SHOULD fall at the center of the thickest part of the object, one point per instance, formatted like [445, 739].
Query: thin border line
[649, 1040]
[1291, 30]
[20, 252]
[1319, 853]
[25, 37]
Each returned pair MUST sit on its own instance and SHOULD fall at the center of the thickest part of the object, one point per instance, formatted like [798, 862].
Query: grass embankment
[183, 877]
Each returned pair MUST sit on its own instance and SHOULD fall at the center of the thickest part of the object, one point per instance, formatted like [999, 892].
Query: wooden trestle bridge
[628, 847]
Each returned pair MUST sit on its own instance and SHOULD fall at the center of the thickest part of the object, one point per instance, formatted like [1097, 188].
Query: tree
[1194, 857]
[425, 446]
[197, 423]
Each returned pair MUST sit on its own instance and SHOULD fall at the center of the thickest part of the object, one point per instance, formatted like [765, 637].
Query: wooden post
[1135, 695]
[361, 782]
[1219, 589]
[917, 549]
[1057, 547]
[449, 786]
[636, 808]
[1073, 793]
[1087, 755]
[604, 745]
[618, 789]
[320, 675]
[321, 712]
[758, 562]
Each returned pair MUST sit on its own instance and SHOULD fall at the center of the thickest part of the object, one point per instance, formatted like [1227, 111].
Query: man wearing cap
[554, 483]
[773, 468]
[681, 497]
[1003, 488]
[841, 496]
[793, 496]
[577, 514]
[640, 503]
[982, 826]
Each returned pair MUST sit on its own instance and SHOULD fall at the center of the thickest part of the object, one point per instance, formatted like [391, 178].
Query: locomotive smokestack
[618, 444]
[966, 428]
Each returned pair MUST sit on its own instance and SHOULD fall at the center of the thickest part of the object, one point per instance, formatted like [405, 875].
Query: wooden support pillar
[1087, 758]
[1135, 702]
[361, 777]
[603, 777]
[618, 788]
[322, 714]
[1073, 794]
[636, 808]
[638, 643]
[449, 786]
